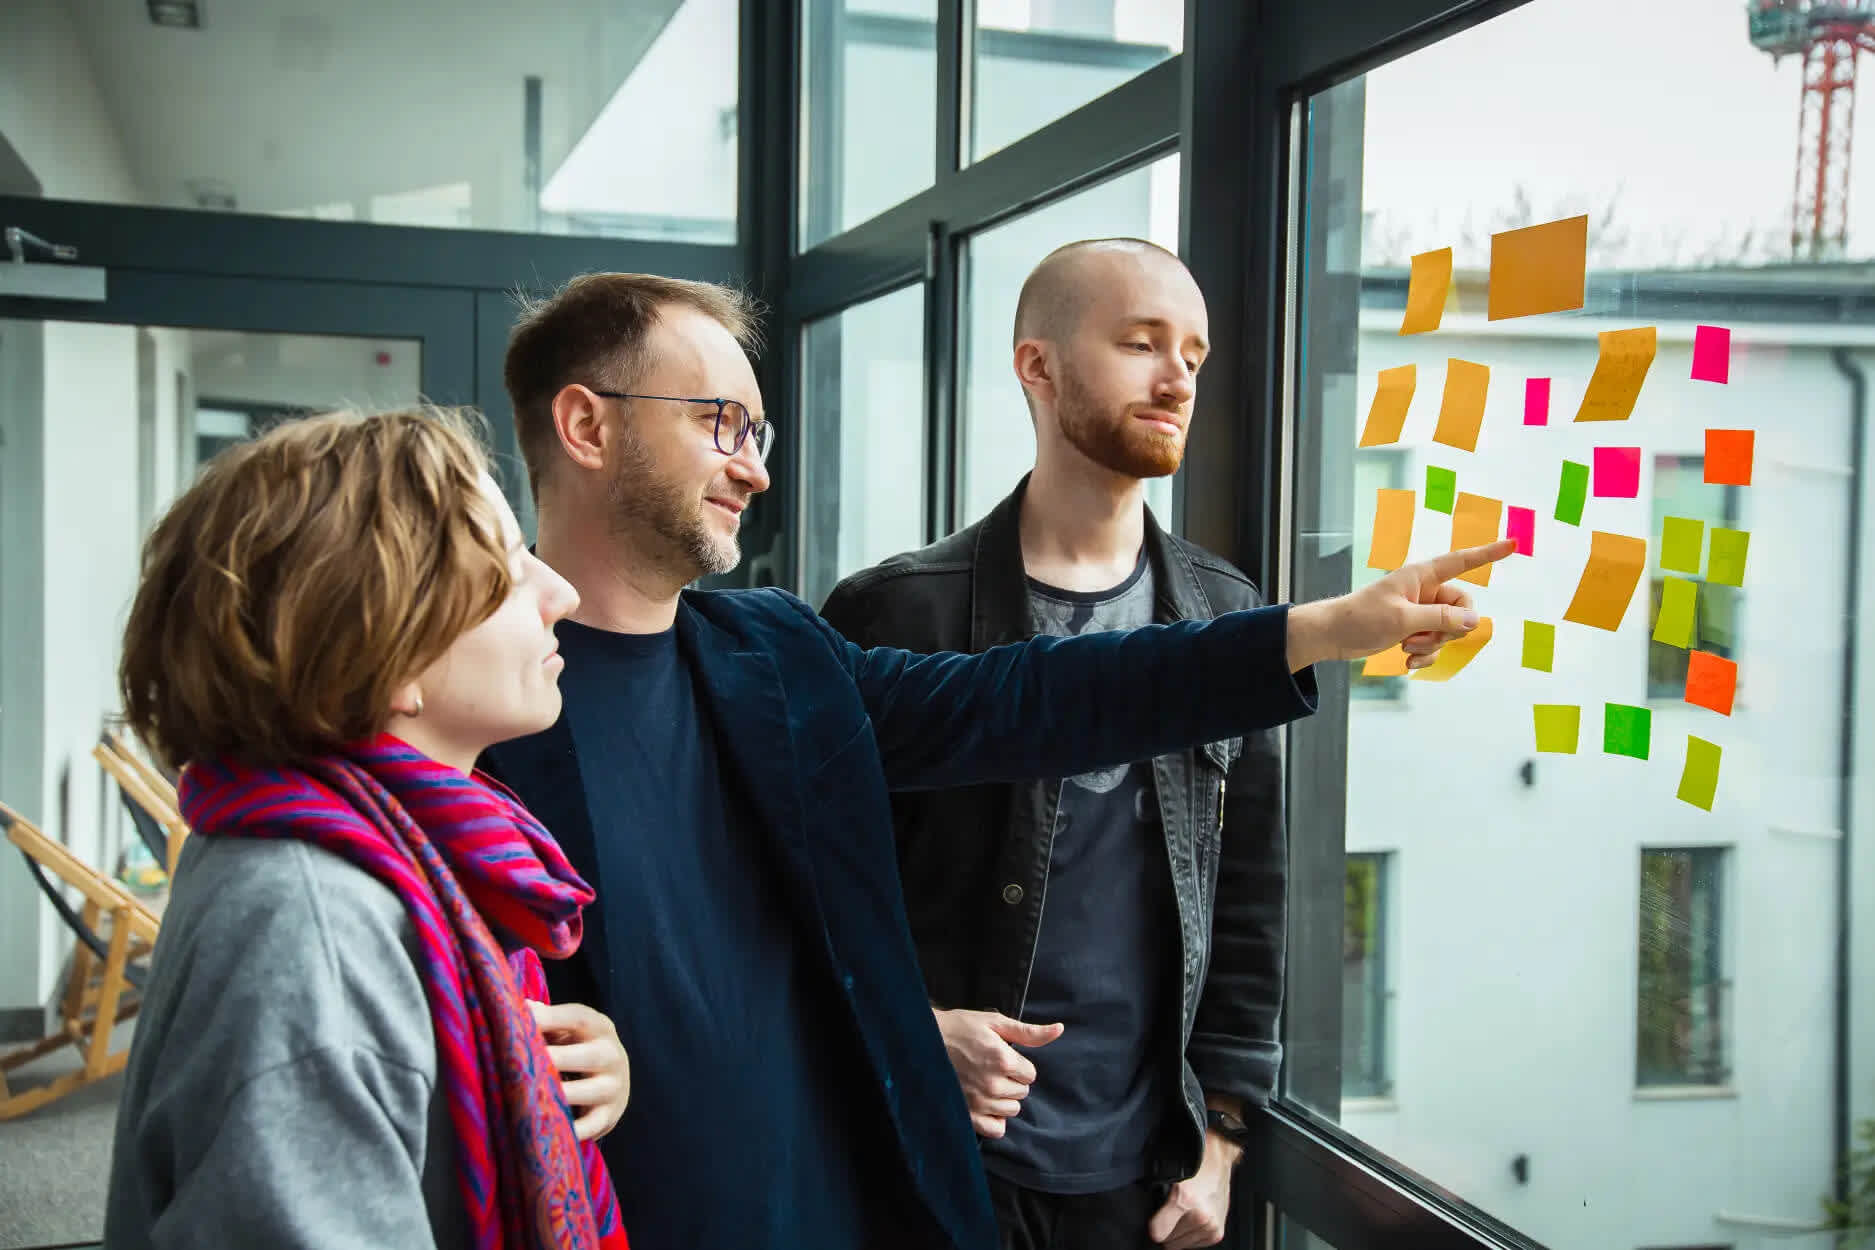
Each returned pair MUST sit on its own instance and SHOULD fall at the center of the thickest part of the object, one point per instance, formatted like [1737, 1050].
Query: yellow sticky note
[1474, 523]
[1388, 663]
[1608, 580]
[1622, 366]
[1393, 528]
[1387, 417]
[1461, 411]
[1539, 646]
[1674, 625]
[1454, 656]
[1539, 269]
[1558, 726]
[1699, 780]
[1426, 291]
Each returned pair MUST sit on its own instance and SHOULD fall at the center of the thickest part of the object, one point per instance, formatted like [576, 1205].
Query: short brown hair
[594, 331]
[302, 578]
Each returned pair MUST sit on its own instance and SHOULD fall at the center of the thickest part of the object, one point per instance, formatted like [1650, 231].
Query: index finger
[1444, 568]
[571, 1017]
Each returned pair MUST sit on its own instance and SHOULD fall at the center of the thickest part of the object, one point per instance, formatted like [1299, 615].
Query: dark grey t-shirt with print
[1108, 937]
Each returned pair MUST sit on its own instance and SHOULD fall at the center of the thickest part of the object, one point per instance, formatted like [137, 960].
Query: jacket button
[1012, 894]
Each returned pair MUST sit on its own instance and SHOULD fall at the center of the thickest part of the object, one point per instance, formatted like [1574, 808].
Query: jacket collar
[999, 587]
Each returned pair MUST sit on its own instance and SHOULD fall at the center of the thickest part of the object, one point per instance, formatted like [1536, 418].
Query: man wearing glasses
[720, 775]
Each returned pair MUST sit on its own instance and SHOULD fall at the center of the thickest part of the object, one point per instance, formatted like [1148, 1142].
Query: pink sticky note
[1712, 354]
[1617, 472]
[1536, 401]
[1522, 527]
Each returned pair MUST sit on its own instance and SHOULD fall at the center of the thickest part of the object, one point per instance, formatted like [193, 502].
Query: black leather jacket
[974, 861]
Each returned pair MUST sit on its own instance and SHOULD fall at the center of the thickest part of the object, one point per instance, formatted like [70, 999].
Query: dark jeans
[1114, 1220]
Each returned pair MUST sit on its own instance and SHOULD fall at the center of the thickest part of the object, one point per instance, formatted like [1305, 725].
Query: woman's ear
[407, 701]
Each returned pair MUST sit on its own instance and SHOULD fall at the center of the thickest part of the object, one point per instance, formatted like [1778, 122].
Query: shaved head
[1057, 293]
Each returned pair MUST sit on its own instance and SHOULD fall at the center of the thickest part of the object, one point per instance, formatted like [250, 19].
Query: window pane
[863, 464]
[858, 158]
[583, 117]
[1041, 59]
[998, 439]
[1599, 1026]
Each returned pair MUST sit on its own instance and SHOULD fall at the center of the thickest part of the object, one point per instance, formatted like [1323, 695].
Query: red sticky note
[1712, 354]
[1618, 472]
[1728, 456]
[1536, 401]
[1522, 527]
[1711, 681]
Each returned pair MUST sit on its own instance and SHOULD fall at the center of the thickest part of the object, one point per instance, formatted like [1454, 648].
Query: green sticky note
[1441, 488]
[1572, 493]
[1626, 730]
[1557, 727]
[1674, 625]
[1728, 556]
[1680, 542]
[1539, 646]
[1699, 780]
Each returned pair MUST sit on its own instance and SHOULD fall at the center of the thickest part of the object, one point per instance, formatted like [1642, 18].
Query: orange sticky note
[1711, 681]
[1539, 269]
[1426, 291]
[1454, 656]
[1728, 456]
[1626, 356]
[1608, 580]
[1474, 523]
[1388, 663]
[1387, 417]
[1393, 528]
[1461, 411]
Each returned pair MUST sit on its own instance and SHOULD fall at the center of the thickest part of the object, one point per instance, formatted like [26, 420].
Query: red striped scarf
[489, 891]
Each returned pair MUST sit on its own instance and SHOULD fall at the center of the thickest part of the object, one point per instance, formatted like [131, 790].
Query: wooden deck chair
[152, 810]
[115, 935]
[159, 784]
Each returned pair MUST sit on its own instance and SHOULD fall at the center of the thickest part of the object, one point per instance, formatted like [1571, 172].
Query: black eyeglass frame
[761, 427]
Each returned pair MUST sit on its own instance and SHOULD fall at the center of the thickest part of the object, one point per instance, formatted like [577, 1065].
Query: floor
[54, 1163]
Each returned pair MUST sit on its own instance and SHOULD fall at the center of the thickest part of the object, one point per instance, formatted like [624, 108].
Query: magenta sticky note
[1712, 354]
[1536, 401]
[1617, 472]
[1522, 527]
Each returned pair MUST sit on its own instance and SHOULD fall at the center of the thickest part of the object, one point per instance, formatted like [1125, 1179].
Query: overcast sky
[1664, 103]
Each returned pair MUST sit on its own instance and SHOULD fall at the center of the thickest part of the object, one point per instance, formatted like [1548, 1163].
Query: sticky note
[1441, 488]
[1620, 369]
[1699, 780]
[1520, 524]
[1388, 663]
[1474, 523]
[1674, 625]
[1627, 730]
[1681, 539]
[1712, 354]
[1711, 681]
[1455, 655]
[1558, 725]
[1393, 529]
[1539, 646]
[1425, 291]
[1539, 269]
[1461, 411]
[1536, 401]
[1387, 415]
[1572, 493]
[1617, 472]
[1728, 457]
[1608, 580]
[1725, 564]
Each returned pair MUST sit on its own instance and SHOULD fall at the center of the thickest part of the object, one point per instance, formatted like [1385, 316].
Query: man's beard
[640, 501]
[1116, 441]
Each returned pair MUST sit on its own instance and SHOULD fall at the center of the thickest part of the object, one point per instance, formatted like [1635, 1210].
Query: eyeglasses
[728, 413]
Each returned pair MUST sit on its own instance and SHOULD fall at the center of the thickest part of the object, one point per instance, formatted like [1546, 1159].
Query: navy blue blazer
[820, 730]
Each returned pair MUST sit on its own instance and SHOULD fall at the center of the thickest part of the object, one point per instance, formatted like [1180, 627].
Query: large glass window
[1042, 59]
[863, 431]
[1365, 1070]
[582, 117]
[858, 156]
[998, 439]
[1590, 1083]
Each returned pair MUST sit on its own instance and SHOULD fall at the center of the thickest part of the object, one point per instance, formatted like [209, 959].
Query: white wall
[51, 110]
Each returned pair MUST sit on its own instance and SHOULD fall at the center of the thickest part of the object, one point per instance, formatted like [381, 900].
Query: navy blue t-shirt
[735, 1134]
